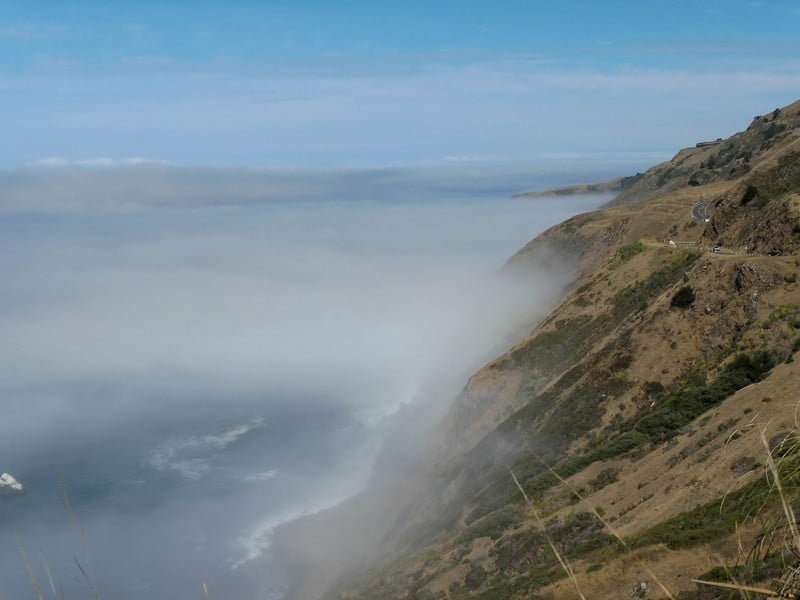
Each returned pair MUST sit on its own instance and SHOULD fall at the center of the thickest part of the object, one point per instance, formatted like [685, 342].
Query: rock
[640, 591]
[9, 485]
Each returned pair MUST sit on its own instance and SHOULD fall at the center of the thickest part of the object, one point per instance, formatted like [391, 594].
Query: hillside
[633, 417]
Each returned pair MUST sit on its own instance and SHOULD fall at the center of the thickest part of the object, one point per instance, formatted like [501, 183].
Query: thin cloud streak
[229, 114]
[20, 32]
[95, 162]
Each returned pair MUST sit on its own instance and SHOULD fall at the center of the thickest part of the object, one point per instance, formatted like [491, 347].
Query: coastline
[618, 184]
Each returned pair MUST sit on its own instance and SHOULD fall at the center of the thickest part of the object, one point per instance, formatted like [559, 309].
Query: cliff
[621, 448]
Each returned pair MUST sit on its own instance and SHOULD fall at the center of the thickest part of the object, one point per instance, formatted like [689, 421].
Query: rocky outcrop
[761, 214]
[9, 485]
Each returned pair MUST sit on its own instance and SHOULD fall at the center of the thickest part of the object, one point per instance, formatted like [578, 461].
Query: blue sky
[373, 83]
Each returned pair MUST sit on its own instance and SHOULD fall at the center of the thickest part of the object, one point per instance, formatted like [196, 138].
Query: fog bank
[203, 360]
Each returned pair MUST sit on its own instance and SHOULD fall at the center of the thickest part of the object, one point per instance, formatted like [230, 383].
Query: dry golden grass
[681, 567]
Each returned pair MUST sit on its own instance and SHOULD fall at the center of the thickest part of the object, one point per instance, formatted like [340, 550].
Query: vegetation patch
[750, 193]
[492, 525]
[675, 412]
[683, 406]
[525, 561]
[683, 298]
[635, 297]
[576, 463]
[604, 478]
[705, 523]
[665, 176]
[774, 129]
[767, 568]
[654, 389]
[716, 519]
[555, 347]
[790, 313]
[628, 251]
[744, 464]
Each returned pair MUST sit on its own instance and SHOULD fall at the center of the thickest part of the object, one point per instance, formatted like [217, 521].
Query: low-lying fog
[203, 354]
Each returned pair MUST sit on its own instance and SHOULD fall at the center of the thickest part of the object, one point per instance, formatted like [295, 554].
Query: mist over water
[204, 354]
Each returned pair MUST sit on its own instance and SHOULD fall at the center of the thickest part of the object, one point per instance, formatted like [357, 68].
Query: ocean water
[192, 367]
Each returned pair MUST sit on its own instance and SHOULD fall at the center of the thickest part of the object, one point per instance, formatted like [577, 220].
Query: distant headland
[615, 185]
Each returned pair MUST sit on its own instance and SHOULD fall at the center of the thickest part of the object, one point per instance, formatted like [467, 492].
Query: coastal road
[700, 212]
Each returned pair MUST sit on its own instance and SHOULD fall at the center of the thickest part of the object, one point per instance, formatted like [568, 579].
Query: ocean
[191, 358]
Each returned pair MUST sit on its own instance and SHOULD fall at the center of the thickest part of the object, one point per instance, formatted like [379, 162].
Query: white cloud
[255, 302]
[97, 162]
[507, 107]
[24, 32]
[262, 476]
[688, 83]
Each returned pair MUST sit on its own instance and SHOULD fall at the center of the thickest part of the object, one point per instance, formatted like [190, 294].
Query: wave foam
[263, 476]
[185, 455]
[256, 542]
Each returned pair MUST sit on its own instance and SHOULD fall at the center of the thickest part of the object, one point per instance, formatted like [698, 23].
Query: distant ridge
[619, 184]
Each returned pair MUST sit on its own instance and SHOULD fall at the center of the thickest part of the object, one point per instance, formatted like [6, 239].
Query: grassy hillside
[639, 416]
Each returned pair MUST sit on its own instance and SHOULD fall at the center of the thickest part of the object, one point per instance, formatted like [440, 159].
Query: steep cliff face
[761, 214]
[634, 408]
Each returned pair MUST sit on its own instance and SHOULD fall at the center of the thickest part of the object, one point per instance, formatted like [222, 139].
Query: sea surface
[182, 372]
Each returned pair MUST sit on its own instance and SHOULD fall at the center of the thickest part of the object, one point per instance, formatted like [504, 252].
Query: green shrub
[475, 577]
[749, 193]
[705, 523]
[654, 388]
[492, 525]
[635, 296]
[628, 251]
[683, 298]
[682, 407]
[773, 130]
[676, 411]
[720, 517]
[604, 478]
